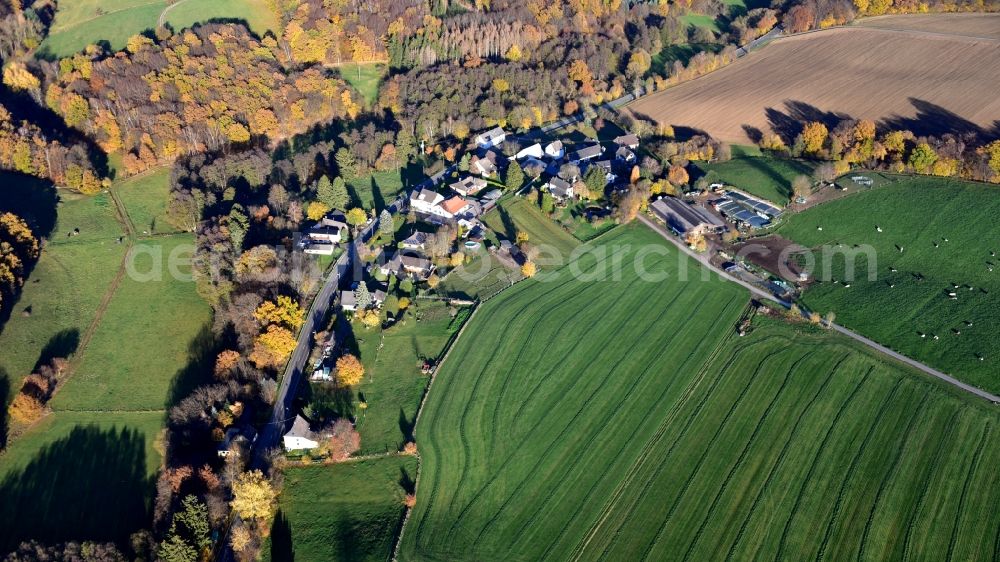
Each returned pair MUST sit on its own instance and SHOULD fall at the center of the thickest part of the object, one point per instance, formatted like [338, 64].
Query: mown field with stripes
[625, 420]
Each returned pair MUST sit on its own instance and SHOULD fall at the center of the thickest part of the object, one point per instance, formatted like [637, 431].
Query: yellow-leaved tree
[253, 496]
[350, 371]
[284, 310]
[271, 348]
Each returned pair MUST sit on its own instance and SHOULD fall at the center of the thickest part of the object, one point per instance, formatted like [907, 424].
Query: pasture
[520, 214]
[135, 346]
[365, 78]
[550, 392]
[770, 178]
[627, 421]
[79, 475]
[916, 214]
[928, 83]
[393, 384]
[347, 511]
[84, 22]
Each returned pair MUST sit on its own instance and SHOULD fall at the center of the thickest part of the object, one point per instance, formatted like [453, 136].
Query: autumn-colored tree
[273, 347]
[225, 362]
[253, 496]
[513, 53]
[239, 538]
[25, 408]
[922, 158]
[677, 175]
[992, 152]
[357, 217]
[638, 63]
[580, 72]
[350, 371]
[433, 280]
[801, 186]
[344, 440]
[528, 269]
[814, 136]
[316, 210]
[283, 310]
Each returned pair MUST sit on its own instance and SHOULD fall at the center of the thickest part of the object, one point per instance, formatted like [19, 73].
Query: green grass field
[627, 421]
[764, 177]
[915, 213]
[80, 476]
[519, 214]
[376, 190]
[83, 22]
[549, 374]
[393, 384]
[144, 198]
[149, 345]
[365, 78]
[700, 20]
[348, 511]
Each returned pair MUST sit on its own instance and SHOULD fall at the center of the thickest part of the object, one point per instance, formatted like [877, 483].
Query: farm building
[685, 218]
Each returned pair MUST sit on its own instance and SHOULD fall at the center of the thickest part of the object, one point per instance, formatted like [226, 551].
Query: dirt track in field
[919, 75]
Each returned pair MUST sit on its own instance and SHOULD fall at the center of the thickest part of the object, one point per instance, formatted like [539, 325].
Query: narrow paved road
[704, 260]
[283, 410]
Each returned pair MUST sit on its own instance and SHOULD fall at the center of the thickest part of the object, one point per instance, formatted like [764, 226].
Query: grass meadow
[548, 375]
[83, 22]
[135, 347]
[520, 214]
[347, 511]
[627, 421]
[365, 78]
[765, 177]
[916, 214]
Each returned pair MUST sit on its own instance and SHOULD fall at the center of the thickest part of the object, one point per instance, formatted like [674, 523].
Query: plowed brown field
[926, 74]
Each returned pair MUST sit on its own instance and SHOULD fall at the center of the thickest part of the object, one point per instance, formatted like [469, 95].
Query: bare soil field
[929, 83]
[967, 25]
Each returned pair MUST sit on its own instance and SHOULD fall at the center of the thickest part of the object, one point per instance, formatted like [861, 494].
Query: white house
[555, 150]
[559, 188]
[299, 437]
[628, 141]
[468, 185]
[319, 248]
[348, 301]
[492, 138]
[428, 203]
[325, 233]
[534, 151]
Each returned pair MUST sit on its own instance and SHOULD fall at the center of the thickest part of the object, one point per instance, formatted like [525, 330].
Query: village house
[625, 155]
[533, 151]
[559, 188]
[428, 204]
[555, 150]
[628, 141]
[328, 232]
[415, 241]
[300, 437]
[485, 165]
[468, 185]
[586, 154]
[408, 265]
[348, 301]
[492, 138]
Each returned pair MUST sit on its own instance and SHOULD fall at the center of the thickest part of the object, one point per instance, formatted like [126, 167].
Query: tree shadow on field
[788, 124]
[90, 484]
[934, 120]
[378, 200]
[63, 344]
[282, 547]
[406, 482]
[198, 370]
[4, 398]
[406, 426]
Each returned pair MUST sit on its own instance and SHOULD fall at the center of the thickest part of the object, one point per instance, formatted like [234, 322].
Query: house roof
[378, 296]
[534, 150]
[629, 140]
[347, 298]
[300, 428]
[415, 239]
[624, 153]
[559, 187]
[491, 134]
[416, 262]
[682, 216]
[588, 152]
[454, 205]
[427, 196]
[554, 147]
[469, 184]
